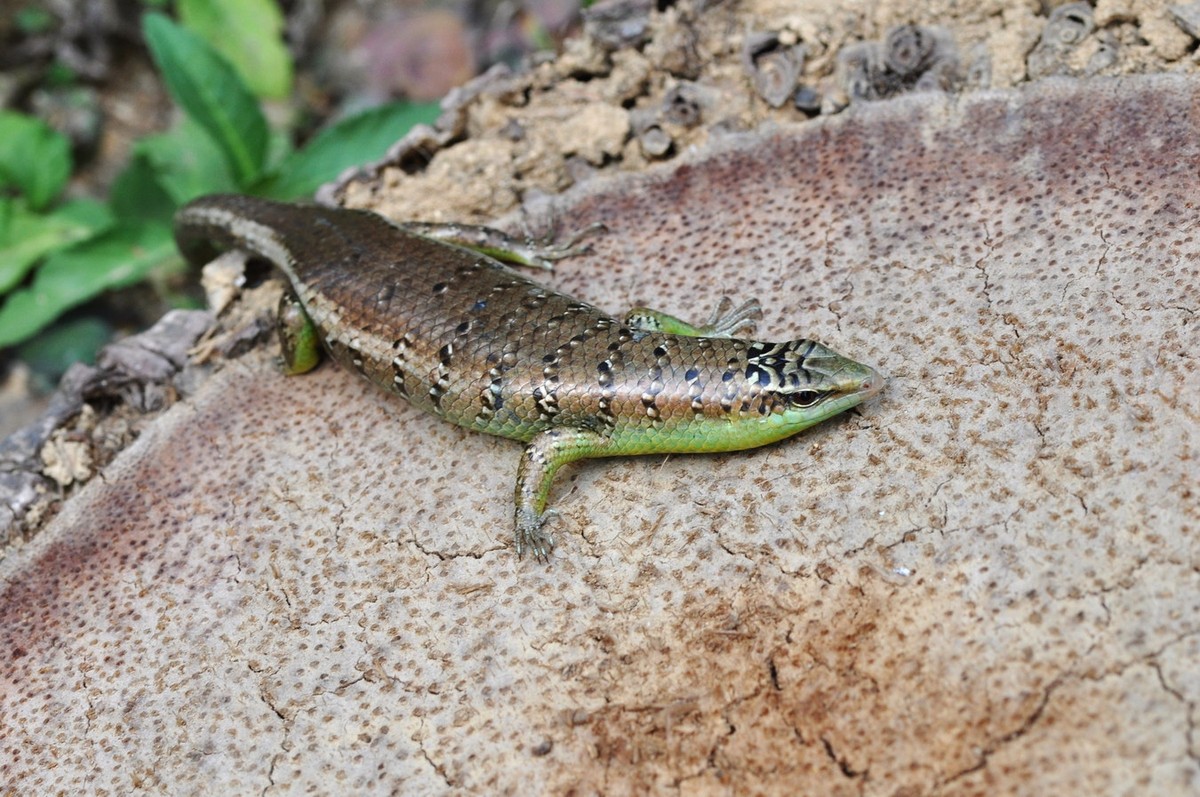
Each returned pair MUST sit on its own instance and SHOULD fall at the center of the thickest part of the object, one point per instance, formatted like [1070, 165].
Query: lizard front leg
[725, 322]
[299, 343]
[545, 454]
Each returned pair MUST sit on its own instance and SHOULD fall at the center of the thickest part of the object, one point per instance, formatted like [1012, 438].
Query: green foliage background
[57, 254]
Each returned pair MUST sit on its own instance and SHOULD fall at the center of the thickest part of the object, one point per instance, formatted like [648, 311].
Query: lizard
[428, 311]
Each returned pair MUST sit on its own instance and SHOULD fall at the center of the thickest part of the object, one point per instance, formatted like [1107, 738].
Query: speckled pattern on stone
[987, 582]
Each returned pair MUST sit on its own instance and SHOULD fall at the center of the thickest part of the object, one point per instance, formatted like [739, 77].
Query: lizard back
[461, 335]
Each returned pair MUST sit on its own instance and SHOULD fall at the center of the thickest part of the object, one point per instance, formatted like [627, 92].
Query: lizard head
[809, 382]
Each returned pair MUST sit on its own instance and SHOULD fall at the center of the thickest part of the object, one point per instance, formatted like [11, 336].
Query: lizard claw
[727, 321]
[531, 534]
[571, 246]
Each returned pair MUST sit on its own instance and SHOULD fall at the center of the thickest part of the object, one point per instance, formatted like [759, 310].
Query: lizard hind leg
[501, 245]
[298, 340]
[726, 321]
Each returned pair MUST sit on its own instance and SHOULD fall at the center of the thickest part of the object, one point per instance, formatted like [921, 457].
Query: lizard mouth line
[872, 385]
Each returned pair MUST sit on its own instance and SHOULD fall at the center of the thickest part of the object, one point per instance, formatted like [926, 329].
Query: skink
[429, 313]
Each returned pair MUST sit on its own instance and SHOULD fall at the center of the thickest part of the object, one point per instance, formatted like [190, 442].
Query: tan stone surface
[987, 582]
[523, 130]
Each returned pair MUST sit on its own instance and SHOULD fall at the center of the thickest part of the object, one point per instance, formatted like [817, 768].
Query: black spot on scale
[491, 398]
[435, 395]
[660, 351]
[399, 386]
[650, 405]
[446, 354]
[479, 305]
[463, 328]
[604, 373]
[439, 288]
[757, 350]
[725, 377]
[547, 403]
[692, 375]
[356, 359]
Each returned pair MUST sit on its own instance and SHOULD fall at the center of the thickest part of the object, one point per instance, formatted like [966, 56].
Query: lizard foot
[559, 250]
[532, 536]
[727, 322]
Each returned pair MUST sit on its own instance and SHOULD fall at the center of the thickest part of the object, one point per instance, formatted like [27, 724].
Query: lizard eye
[807, 398]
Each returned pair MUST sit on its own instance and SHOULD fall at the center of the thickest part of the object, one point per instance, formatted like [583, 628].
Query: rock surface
[986, 582]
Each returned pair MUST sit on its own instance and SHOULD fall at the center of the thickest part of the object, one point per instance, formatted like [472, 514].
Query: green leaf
[210, 92]
[166, 171]
[138, 195]
[27, 237]
[122, 256]
[60, 75]
[8, 208]
[188, 162]
[33, 158]
[32, 21]
[279, 148]
[354, 140]
[51, 353]
[249, 33]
